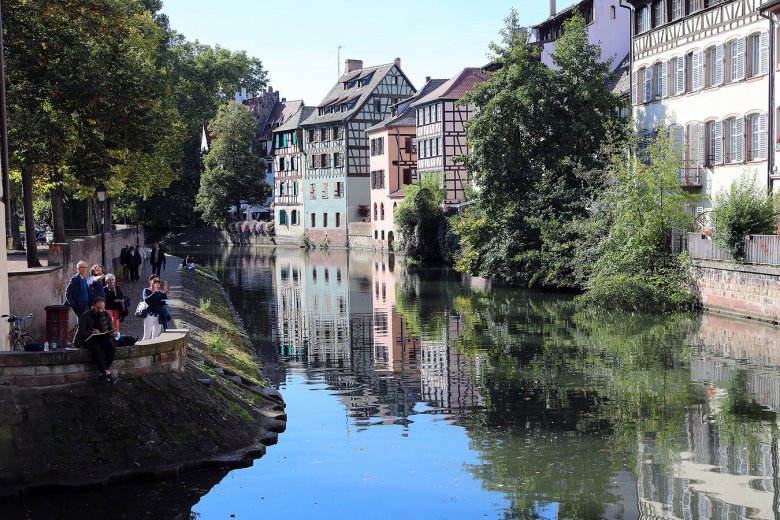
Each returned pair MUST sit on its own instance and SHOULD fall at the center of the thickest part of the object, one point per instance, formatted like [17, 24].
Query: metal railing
[759, 249]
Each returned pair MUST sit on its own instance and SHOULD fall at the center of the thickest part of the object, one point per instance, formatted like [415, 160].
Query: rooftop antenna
[338, 61]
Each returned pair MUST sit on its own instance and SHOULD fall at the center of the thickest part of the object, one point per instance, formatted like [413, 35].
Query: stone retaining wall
[748, 291]
[164, 354]
[31, 291]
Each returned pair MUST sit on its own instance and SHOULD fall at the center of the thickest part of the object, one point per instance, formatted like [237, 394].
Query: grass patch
[205, 304]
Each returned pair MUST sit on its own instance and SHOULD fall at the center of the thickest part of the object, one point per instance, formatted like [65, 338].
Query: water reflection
[567, 414]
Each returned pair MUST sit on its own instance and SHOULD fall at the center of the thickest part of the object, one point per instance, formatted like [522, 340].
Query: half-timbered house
[441, 132]
[701, 67]
[336, 147]
[289, 165]
[393, 164]
[608, 26]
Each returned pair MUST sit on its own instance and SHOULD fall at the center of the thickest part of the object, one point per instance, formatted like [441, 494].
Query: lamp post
[100, 192]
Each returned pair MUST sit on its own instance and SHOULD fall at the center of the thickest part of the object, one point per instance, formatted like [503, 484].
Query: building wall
[740, 98]
[289, 202]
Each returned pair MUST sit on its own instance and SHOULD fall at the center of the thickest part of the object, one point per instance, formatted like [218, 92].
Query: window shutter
[717, 130]
[702, 145]
[740, 134]
[648, 84]
[634, 92]
[761, 152]
[764, 53]
[680, 77]
[663, 80]
[295, 138]
[678, 140]
[692, 160]
[698, 70]
[719, 52]
[740, 59]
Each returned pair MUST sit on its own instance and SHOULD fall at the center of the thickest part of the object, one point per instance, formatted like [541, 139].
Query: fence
[759, 249]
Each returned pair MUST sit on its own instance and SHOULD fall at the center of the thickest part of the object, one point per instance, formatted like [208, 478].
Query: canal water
[423, 393]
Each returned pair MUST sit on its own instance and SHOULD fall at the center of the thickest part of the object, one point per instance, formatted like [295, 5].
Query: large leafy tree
[87, 90]
[233, 170]
[536, 139]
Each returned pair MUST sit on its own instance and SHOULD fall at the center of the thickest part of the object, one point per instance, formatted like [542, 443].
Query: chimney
[427, 79]
[284, 100]
[397, 62]
[552, 8]
[350, 65]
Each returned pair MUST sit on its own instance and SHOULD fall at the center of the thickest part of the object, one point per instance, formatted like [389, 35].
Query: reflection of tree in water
[567, 397]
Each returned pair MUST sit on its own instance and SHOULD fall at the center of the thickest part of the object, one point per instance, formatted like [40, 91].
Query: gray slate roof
[406, 115]
[296, 119]
[281, 112]
[456, 87]
[620, 83]
[338, 94]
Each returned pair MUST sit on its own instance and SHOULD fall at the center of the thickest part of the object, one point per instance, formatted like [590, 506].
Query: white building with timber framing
[702, 68]
[337, 174]
[441, 132]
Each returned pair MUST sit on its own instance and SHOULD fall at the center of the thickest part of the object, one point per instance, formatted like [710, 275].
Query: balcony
[692, 177]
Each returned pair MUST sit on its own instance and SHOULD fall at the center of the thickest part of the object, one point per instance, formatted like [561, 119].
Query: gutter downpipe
[630, 53]
[770, 115]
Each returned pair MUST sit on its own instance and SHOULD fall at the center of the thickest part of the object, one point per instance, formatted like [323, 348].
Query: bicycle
[19, 336]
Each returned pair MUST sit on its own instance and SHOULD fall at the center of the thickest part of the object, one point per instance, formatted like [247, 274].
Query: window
[643, 20]
[337, 160]
[324, 190]
[313, 225]
[377, 105]
[324, 160]
[696, 5]
[659, 17]
[338, 224]
[714, 142]
[438, 111]
[407, 179]
[756, 144]
[677, 9]
[376, 212]
[735, 59]
[678, 75]
[312, 191]
[324, 220]
[660, 73]
[377, 179]
[613, 11]
[735, 140]
[323, 134]
[714, 66]
[758, 54]
[408, 144]
[338, 133]
[294, 217]
[283, 218]
[338, 190]
[382, 212]
[295, 188]
[312, 136]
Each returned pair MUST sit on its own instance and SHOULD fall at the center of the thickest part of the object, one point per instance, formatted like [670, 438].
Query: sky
[298, 41]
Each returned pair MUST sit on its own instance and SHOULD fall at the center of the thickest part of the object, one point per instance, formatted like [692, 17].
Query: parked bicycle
[19, 336]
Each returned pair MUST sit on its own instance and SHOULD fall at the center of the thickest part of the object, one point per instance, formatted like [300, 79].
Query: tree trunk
[58, 212]
[29, 219]
[15, 233]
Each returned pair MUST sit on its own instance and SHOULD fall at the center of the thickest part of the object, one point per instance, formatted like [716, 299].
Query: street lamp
[100, 192]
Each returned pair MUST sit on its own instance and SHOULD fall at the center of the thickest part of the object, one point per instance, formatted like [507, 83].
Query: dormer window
[351, 104]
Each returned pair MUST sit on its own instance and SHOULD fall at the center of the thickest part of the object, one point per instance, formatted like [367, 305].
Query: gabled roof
[405, 114]
[768, 5]
[456, 87]
[339, 94]
[280, 114]
[295, 121]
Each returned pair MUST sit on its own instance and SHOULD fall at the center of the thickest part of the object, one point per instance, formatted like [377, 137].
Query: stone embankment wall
[747, 291]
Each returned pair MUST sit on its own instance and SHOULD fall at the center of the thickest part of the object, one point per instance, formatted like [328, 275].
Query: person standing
[134, 262]
[157, 258]
[77, 290]
[96, 333]
[96, 283]
[124, 262]
[154, 298]
[115, 303]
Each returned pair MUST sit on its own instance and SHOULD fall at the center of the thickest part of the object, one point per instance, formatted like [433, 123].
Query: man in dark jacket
[157, 258]
[96, 333]
[77, 291]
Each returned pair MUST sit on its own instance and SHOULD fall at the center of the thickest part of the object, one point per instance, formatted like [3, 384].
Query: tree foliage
[233, 171]
[633, 267]
[744, 209]
[421, 222]
[535, 145]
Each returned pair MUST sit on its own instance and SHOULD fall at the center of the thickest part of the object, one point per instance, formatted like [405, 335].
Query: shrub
[205, 304]
[216, 341]
[744, 209]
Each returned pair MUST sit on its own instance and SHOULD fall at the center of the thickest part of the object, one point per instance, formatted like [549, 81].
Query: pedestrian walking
[154, 297]
[157, 258]
[124, 261]
[134, 262]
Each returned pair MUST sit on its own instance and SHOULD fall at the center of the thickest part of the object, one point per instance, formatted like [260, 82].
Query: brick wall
[749, 291]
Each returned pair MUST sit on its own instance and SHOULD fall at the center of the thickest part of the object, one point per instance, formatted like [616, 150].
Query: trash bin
[57, 325]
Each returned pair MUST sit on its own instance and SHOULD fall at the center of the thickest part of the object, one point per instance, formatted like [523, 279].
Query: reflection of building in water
[395, 348]
[727, 468]
[718, 475]
[448, 375]
[290, 277]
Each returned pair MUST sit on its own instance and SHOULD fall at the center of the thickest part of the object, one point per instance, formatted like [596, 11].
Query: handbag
[142, 309]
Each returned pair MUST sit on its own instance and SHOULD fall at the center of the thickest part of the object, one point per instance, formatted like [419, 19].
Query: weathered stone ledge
[164, 354]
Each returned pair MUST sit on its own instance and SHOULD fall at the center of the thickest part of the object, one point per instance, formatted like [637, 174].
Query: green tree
[233, 171]
[744, 209]
[421, 222]
[535, 145]
[633, 266]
